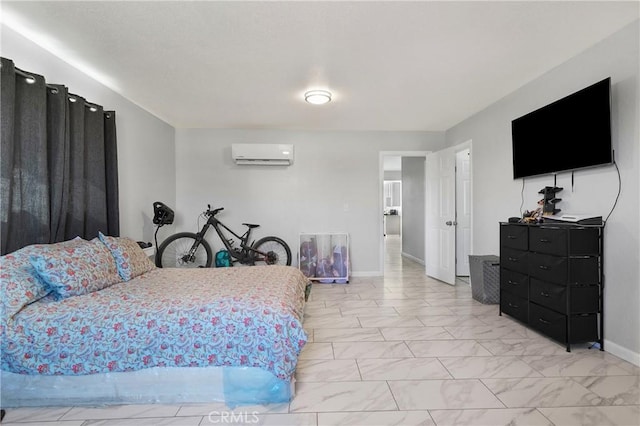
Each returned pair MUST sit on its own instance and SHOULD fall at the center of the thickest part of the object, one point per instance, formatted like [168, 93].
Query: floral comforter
[249, 316]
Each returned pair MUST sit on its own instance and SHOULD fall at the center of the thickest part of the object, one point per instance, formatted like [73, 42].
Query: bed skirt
[232, 385]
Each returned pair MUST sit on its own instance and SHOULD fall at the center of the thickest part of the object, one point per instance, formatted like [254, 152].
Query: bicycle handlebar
[214, 212]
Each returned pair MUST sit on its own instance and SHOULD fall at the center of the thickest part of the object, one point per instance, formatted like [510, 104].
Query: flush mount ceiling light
[317, 97]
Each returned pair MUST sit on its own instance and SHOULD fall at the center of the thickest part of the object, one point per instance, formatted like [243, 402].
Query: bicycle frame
[244, 254]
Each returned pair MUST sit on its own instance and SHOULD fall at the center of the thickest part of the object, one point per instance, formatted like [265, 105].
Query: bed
[162, 335]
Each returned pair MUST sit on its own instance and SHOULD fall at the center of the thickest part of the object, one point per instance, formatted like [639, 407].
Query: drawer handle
[513, 306]
[511, 237]
[543, 267]
[544, 321]
[544, 240]
[512, 259]
[542, 293]
[512, 282]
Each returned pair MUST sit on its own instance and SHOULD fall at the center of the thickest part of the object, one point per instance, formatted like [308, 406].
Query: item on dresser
[579, 219]
[534, 216]
[549, 200]
[551, 278]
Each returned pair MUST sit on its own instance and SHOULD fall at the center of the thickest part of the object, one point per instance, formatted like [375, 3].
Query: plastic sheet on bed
[244, 385]
[232, 385]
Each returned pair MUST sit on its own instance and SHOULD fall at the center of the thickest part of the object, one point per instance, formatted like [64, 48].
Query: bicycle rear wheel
[271, 251]
[175, 252]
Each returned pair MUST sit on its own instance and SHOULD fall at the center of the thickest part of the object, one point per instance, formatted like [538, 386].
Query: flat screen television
[571, 133]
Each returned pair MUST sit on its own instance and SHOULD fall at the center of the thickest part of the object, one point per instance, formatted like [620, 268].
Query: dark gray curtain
[111, 173]
[58, 165]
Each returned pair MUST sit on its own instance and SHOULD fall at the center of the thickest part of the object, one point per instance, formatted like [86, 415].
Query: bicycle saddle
[251, 225]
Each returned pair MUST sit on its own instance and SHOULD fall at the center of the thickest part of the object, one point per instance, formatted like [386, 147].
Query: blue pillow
[75, 269]
[131, 261]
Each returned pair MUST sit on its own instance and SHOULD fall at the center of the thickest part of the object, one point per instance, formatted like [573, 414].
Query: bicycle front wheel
[184, 251]
[271, 251]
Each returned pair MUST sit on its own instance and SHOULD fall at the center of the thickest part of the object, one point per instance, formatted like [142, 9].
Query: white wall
[333, 185]
[146, 151]
[413, 207]
[497, 196]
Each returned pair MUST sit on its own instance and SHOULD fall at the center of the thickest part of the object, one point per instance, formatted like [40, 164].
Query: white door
[463, 212]
[440, 232]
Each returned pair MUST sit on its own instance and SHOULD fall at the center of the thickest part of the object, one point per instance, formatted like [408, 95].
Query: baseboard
[622, 352]
[415, 259]
[367, 274]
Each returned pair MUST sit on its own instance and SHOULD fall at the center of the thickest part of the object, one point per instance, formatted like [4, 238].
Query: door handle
[448, 223]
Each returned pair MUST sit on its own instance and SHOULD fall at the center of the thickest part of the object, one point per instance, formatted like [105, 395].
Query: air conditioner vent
[262, 154]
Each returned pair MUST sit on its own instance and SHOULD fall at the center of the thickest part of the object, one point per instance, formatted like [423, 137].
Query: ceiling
[390, 65]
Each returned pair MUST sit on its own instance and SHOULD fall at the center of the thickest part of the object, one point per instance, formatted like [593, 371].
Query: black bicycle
[189, 250]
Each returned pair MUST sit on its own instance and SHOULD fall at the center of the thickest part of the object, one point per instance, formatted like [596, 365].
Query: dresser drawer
[564, 270]
[548, 240]
[583, 328]
[551, 323]
[549, 295]
[584, 299]
[583, 270]
[514, 236]
[564, 241]
[514, 260]
[548, 268]
[514, 282]
[584, 242]
[515, 306]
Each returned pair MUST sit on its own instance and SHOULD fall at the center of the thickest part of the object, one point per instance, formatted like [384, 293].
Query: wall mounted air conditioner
[262, 154]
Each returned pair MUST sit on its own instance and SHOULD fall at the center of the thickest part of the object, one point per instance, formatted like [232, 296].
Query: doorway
[463, 212]
[398, 207]
[392, 195]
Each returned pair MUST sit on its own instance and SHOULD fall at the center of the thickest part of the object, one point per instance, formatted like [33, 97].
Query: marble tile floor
[409, 350]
